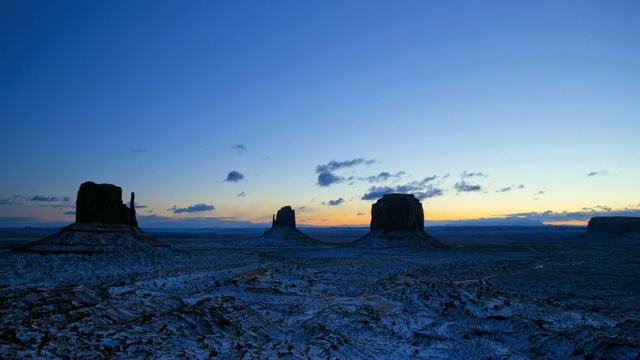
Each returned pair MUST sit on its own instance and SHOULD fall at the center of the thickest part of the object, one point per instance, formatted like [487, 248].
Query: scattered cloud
[44, 198]
[73, 212]
[242, 194]
[463, 186]
[360, 214]
[192, 209]
[7, 202]
[384, 176]
[234, 176]
[466, 175]
[422, 189]
[334, 202]
[539, 193]
[509, 188]
[138, 150]
[326, 177]
[239, 148]
[597, 173]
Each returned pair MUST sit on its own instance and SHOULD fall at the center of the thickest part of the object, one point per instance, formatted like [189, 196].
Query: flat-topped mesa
[397, 212]
[103, 203]
[286, 216]
[397, 221]
[618, 225]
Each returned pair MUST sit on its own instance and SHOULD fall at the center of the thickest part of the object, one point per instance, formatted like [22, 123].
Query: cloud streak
[463, 186]
[192, 209]
[422, 189]
[50, 198]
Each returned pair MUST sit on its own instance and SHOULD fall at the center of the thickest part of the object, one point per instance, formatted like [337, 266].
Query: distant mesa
[283, 232]
[614, 225]
[397, 221]
[104, 224]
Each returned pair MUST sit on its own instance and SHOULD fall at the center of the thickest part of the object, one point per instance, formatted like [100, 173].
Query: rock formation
[397, 212]
[283, 232]
[617, 225]
[286, 217]
[103, 203]
[397, 221]
[103, 225]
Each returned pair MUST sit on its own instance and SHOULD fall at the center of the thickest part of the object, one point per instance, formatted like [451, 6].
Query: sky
[218, 113]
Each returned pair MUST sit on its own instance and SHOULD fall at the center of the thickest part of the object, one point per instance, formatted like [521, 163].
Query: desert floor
[497, 292]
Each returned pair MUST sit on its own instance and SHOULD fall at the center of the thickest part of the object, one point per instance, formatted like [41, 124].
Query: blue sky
[230, 110]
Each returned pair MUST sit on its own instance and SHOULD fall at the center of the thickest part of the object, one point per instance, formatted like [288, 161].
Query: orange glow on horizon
[570, 222]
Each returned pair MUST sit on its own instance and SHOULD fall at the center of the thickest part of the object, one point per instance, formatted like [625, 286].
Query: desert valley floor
[497, 292]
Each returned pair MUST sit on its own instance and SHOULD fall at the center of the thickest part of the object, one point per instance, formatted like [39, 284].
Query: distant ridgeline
[616, 225]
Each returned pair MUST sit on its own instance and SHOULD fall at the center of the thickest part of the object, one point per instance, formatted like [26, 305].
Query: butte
[283, 232]
[397, 221]
[104, 224]
[613, 227]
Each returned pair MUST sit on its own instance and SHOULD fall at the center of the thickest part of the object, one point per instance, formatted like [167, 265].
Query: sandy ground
[538, 292]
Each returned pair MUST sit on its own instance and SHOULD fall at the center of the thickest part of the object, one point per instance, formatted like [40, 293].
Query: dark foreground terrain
[513, 292]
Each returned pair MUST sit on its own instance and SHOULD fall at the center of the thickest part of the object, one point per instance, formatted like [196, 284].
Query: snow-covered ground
[495, 293]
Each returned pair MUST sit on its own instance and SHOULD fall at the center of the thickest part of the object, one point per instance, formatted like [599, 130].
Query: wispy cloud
[422, 189]
[239, 148]
[73, 212]
[597, 173]
[44, 198]
[463, 186]
[326, 176]
[466, 175]
[138, 150]
[383, 176]
[234, 176]
[509, 188]
[242, 194]
[192, 209]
